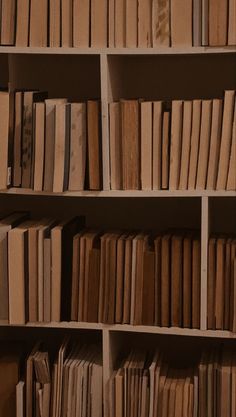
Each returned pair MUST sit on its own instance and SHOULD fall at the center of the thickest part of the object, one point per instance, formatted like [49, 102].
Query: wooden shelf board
[130, 328]
[118, 51]
[122, 193]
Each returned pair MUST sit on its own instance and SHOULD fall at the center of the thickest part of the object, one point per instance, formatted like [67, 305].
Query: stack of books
[52, 384]
[179, 145]
[118, 23]
[49, 144]
[147, 384]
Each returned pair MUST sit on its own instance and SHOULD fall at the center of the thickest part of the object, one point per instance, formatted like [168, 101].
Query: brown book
[219, 292]
[17, 139]
[93, 287]
[231, 180]
[187, 282]
[148, 293]
[62, 145]
[181, 23]
[146, 145]
[211, 283]
[33, 272]
[196, 282]
[94, 145]
[38, 35]
[216, 124]
[204, 144]
[145, 23]
[197, 22]
[157, 290]
[233, 287]
[111, 259]
[165, 280]
[111, 24]
[202, 371]
[120, 278]
[4, 128]
[115, 146]
[226, 140]
[175, 143]
[157, 144]
[120, 23]
[130, 144]
[185, 149]
[218, 21]
[66, 23]
[131, 24]
[176, 281]
[9, 377]
[127, 279]
[75, 278]
[39, 135]
[225, 386]
[22, 23]
[78, 145]
[194, 144]
[165, 154]
[232, 23]
[81, 19]
[227, 283]
[50, 142]
[161, 23]
[142, 246]
[99, 23]
[54, 23]
[47, 280]
[8, 15]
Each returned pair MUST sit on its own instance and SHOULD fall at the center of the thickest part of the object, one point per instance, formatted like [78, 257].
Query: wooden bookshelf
[97, 73]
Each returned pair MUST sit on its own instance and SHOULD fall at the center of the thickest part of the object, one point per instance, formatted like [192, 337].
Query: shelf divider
[204, 261]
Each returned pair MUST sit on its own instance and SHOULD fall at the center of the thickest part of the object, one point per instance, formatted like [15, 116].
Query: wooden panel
[222, 215]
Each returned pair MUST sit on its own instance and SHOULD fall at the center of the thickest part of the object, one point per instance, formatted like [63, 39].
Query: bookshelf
[109, 74]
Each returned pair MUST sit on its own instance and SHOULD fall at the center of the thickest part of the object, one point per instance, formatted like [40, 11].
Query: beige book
[231, 180]
[205, 22]
[78, 144]
[144, 23]
[22, 23]
[226, 140]
[181, 23]
[60, 173]
[39, 134]
[165, 156]
[175, 143]
[219, 291]
[194, 144]
[54, 23]
[232, 23]
[17, 139]
[81, 19]
[115, 146]
[20, 403]
[111, 23]
[94, 145]
[38, 35]
[99, 23]
[157, 144]
[146, 145]
[204, 144]
[218, 21]
[4, 128]
[120, 23]
[186, 142]
[50, 142]
[66, 23]
[130, 144]
[196, 284]
[216, 124]
[131, 31]
[8, 15]
[197, 22]
[160, 23]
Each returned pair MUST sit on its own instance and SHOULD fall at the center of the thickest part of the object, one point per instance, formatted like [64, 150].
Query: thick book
[156, 144]
[22, 23]
[62, 143]
[165, 280]
[39, 138]
[165, 150]
[204, 144]
[175, 143]
[111, 23]
[186, 142]
[181, 23]
[194, 143]
[146, 145]
[120, 23]
[94, 145]
[54, 23]
[145, 23]
[161, 23]
[115, 146]
[196, 282]
[197, 22]
[4, 128]
[99, 23]
[215, 138]
[81, 23]
[211, 282]
[8, 16]
[131, 40]
[66, 23]
[38, 35]
[218, 22]
[176, 281]
[219, 286]
[18, 125]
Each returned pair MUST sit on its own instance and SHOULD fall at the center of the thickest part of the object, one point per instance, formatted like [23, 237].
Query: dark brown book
[220, 285]
[187, 282]
[17, 139]
[4, 128]
[157, 290]
[94, 145]
[93, 287]
[196, 282]
[9, 377]
[211, 283]
[165, 280]
[148, 293]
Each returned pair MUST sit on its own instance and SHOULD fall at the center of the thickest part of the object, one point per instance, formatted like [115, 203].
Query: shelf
[122, 193]
[118, 51]
[129, 328]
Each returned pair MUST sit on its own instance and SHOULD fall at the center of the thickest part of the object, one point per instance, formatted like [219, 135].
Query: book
[165, 280]
[197, 22]
[196, 282]
[157, 145]
[146, 145]
[231, 179]
[232, 23]
[205, 22]
[17, 139]
[211, 283]
[8, 15]
[175, 143]
[131, 30]
[218, 21]
[4, 127]
[62, 147]
[66, 23]
[185, 149]
[181, 23]
[120, 24]
[81, 23]
[194, 143]
[165, 150]
[38, 34]
[39, 134]
[54, 23]
[176, 281]
[20, 402]
[9, 373]
[144, 23]
[94, 145]
[22, 23]
[99, 23]
[115, 146]
[111, 24]
[204, 144]
[161, 23]
[216, 124]
[219, 286]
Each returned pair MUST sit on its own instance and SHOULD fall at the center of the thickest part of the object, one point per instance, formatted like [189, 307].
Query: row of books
[50, 144]
[178, 145]
[221, 291]
[118, 23]
[46, 383]
[146, 384]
